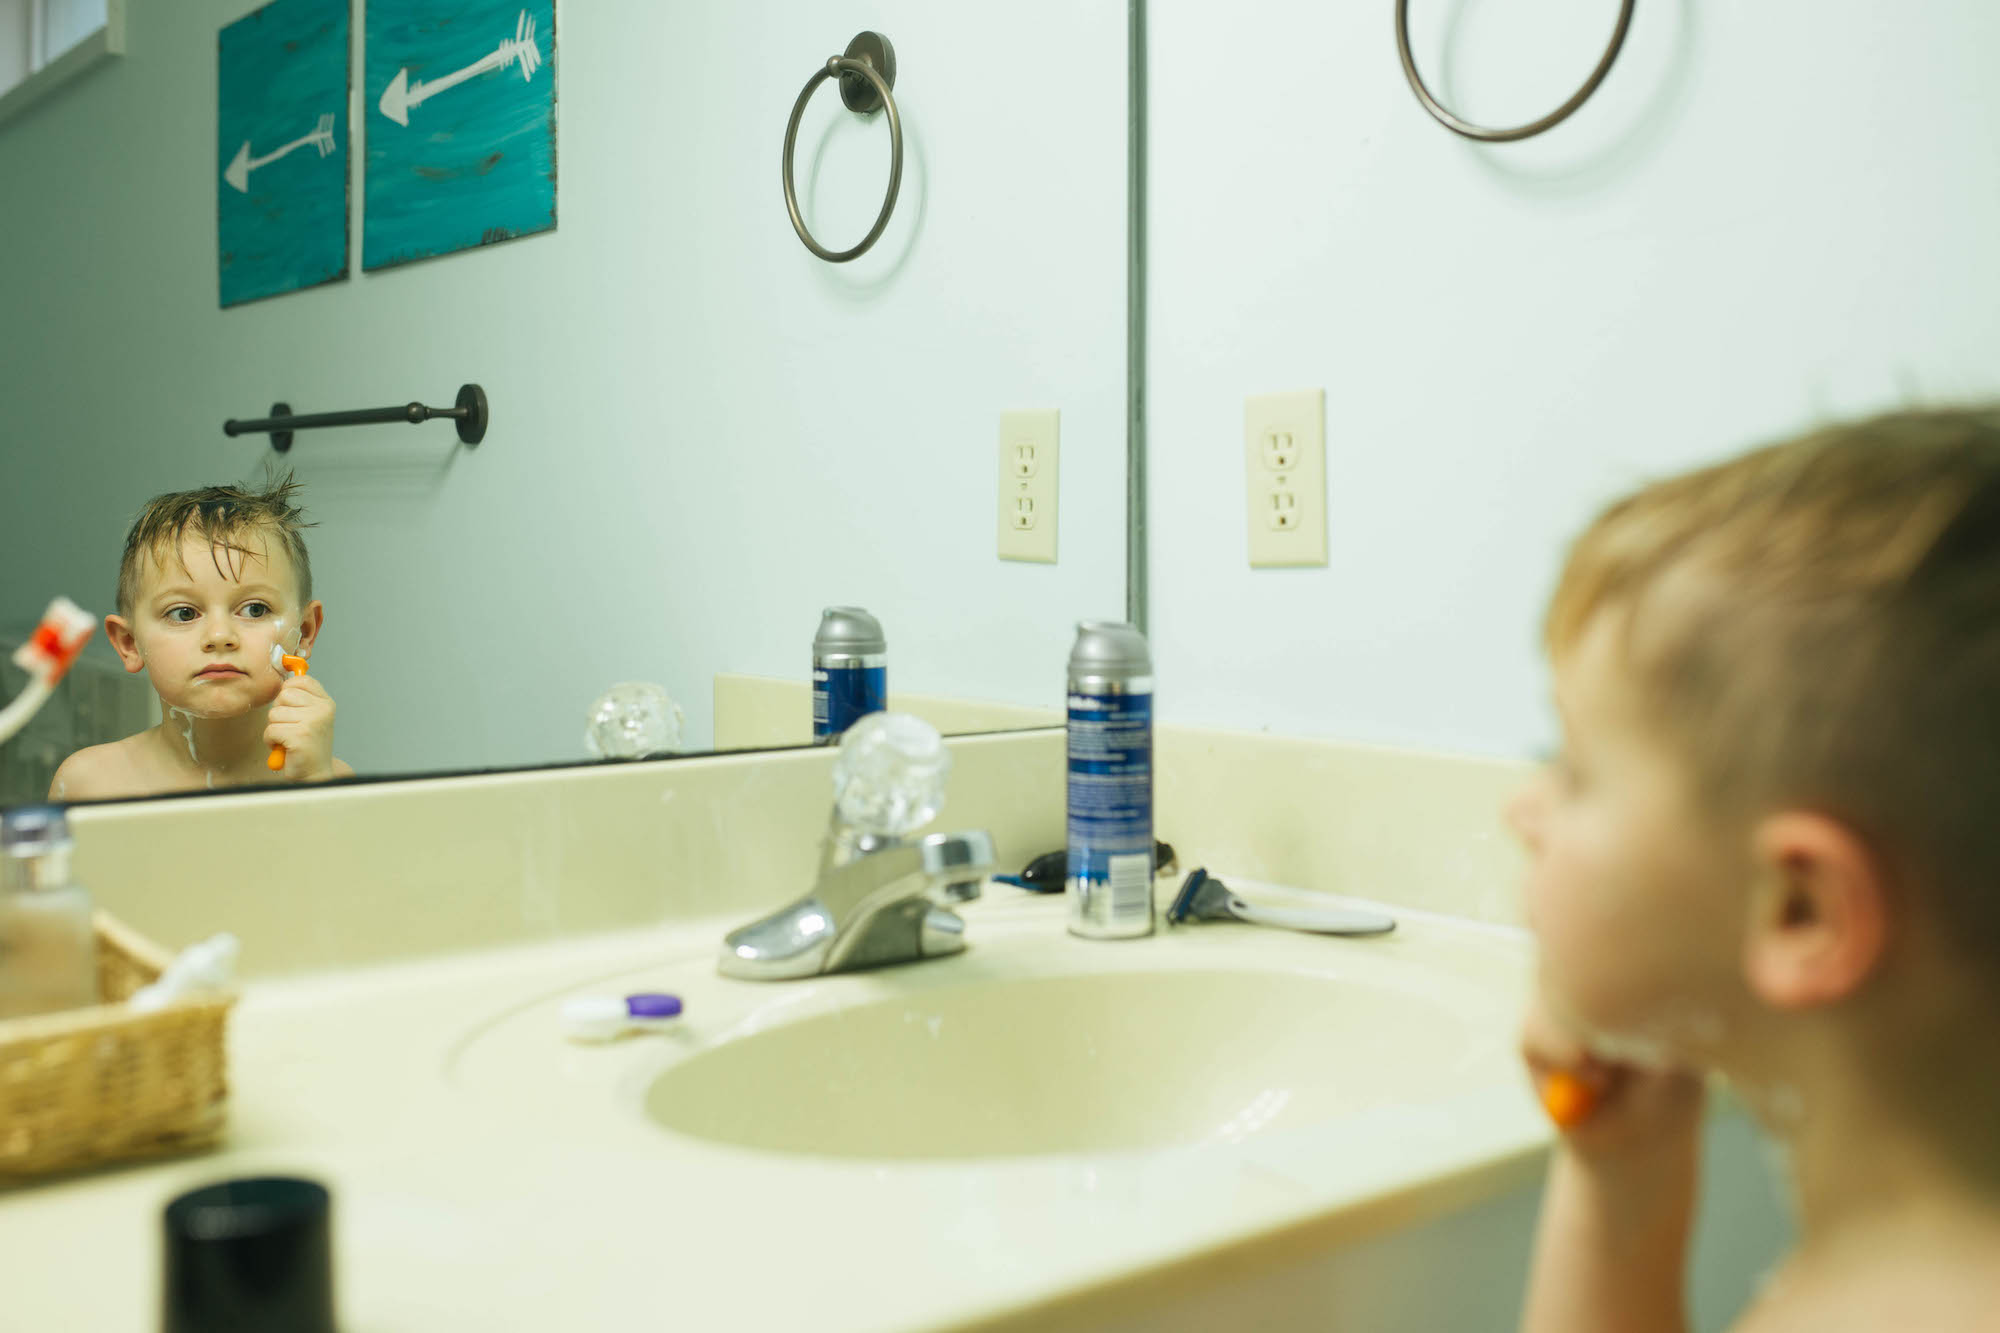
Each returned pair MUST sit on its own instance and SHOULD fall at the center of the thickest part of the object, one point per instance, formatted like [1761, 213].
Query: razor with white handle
[1203, 898]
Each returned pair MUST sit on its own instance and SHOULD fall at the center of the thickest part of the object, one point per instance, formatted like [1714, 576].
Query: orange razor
[1568, 1099]
[284, 661]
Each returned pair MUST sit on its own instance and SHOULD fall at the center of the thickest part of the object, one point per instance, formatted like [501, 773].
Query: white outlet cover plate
[1284, 469]
[1030, 466]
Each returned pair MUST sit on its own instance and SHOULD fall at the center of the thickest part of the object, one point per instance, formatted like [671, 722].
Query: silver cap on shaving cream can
[1109, 650]
[848, 631]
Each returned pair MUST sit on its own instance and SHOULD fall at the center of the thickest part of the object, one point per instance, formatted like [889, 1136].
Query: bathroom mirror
[701, 435]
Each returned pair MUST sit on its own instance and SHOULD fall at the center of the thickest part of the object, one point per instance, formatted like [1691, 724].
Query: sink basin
[1044, 1131]
[1094, 1062]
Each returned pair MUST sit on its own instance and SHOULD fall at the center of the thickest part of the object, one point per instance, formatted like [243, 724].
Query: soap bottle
[48, 949]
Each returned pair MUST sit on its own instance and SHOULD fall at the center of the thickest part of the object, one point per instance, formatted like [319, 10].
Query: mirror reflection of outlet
[1284, 466]
[1029, 468]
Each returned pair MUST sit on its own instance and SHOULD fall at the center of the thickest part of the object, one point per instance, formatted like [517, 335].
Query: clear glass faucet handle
[631, 720]
[889, 777]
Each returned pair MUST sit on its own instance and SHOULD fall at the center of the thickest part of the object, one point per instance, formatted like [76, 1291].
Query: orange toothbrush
[1568, 1099]
[283, 661]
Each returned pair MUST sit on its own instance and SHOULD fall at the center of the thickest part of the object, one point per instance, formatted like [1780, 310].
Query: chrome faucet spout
[874, 904]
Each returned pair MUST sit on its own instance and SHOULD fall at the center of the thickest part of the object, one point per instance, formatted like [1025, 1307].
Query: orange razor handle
[1568, 1099]
[297, 666]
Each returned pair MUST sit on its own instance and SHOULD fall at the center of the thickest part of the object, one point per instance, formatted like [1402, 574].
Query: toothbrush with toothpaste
[282, 662]
[47, 656]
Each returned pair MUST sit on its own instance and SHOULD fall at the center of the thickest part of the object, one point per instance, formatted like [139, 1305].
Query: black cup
[249, 1254]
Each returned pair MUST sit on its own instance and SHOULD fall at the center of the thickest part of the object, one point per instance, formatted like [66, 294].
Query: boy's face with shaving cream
[205, 618]
[1637, 902]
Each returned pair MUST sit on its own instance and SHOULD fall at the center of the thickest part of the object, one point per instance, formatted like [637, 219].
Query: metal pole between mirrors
[469, 411]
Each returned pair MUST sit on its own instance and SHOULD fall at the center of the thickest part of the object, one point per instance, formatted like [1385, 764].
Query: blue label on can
[1111, 806]
[842, 696]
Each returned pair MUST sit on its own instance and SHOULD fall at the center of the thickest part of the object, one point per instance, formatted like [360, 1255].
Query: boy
[210, 580]
[1771, 850]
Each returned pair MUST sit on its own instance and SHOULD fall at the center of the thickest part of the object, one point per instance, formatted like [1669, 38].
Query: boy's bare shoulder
[1953, 1291]
[116, 768]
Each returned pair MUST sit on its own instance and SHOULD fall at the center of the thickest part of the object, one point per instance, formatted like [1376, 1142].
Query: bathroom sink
[1031, 1050]
[1086, 1062]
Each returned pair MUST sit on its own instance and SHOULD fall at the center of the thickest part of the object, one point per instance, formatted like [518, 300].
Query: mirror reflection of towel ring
[867, 72]
[1451, 122]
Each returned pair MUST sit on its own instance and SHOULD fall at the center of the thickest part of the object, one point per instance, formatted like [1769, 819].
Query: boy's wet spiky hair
[222, 516]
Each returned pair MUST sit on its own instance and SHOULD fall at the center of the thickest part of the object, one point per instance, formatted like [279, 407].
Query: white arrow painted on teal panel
[237, 173]
[404, 93]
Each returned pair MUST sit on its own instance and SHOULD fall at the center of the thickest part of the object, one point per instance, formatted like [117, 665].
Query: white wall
[1772, 212]
[701, 434]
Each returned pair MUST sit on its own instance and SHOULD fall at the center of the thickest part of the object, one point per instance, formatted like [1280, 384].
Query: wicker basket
[88, 1086]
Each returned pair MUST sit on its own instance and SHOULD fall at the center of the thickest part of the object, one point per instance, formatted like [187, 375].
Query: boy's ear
[1819, 912]
[309, 624]
[126, 645]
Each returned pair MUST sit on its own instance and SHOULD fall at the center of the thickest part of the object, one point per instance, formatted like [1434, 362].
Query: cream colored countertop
[489, 1175]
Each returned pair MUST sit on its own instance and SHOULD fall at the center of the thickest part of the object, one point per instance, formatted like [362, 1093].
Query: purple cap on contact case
[652, 1005]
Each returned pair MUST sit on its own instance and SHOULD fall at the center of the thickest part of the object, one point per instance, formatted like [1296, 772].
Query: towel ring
[867, 72]
[1445, 118]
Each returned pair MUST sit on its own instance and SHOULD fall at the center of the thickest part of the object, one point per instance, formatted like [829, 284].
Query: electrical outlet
[1284, 458]
[1029, 467]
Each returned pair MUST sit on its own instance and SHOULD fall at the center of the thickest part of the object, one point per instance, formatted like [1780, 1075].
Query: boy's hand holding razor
[300, 728]
[1612, 1244]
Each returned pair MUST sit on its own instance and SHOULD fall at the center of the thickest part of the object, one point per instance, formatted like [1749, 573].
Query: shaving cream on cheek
[277, 638]
[1676, 1031]
[280, 644]
[1629, 1049]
